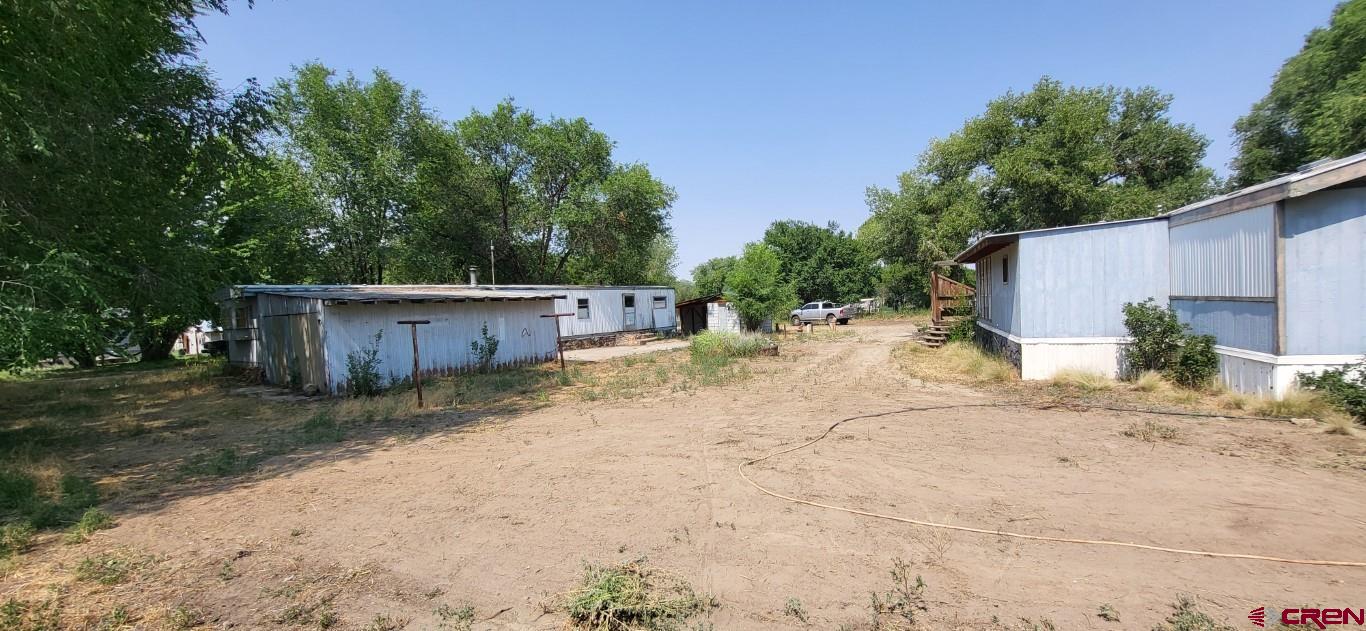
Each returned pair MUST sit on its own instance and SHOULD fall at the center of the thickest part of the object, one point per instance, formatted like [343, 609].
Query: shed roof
[390, 293]
[1311, 178]
[700, 300]
[993, 242]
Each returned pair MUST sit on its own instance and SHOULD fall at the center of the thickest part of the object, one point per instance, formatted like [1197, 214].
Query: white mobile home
[301, 335]
[602, 311]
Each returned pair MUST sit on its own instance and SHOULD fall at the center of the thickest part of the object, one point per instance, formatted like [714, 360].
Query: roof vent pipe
[474, 276]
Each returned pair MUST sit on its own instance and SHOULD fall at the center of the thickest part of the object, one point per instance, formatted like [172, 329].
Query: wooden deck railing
[946, 294]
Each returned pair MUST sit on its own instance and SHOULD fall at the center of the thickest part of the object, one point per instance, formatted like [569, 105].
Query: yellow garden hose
[1002, 533]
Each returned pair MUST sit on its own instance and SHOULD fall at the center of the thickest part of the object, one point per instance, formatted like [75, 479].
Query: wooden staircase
[951, 302]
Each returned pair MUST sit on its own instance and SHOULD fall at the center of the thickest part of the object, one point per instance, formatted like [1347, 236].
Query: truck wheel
[830, 319]
[844, 321]
[796, 320]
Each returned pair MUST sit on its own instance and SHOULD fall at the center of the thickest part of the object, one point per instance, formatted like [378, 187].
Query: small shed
[301, 335]
[714, 313]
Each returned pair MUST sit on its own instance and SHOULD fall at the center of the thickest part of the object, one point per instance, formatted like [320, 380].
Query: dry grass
[962, 361]
[1151, 382]
[1151, 431]
[1295, 404]
[1339, 423]
[1083, 380]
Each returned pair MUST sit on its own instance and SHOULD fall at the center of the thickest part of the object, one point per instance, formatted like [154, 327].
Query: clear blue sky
[757, 111]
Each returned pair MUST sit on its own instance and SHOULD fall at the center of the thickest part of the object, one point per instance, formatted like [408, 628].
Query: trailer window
[629, 301]
[583, 308]
[661, 302]
[1005, 270]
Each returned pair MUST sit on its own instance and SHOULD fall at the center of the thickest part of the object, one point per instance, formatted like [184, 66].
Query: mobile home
[1053, 299]
[1275, 272]
[301, 335]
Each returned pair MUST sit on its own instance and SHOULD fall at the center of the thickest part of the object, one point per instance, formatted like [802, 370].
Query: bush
[1162, 343]
[963, 330]
[1196, 363]
[1157, 336]
[1344, 387]
[485, 348]
[362, 370]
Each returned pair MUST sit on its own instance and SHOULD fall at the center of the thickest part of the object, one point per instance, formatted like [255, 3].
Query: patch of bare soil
[502, 516]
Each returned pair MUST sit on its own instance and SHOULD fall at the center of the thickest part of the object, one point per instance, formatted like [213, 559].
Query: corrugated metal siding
[1325, 273]
[1237, 324]
[1227, 256]
[1074, 283]
[607, 313]
[1002, 298]
[292, 350]
[444, 345]
[722, 316]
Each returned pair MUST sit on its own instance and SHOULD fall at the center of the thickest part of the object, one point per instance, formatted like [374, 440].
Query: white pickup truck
[822, 311]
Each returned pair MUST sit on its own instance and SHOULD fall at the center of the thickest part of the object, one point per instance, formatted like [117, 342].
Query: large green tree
[821, 262]
[755, 286]
[709, 277]
[1316, 107]
[560, 209]
[358, 147]
[114, 143]
[1052, 156]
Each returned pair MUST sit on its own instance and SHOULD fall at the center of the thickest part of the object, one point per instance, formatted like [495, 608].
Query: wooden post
[417, 365]
[559, 347]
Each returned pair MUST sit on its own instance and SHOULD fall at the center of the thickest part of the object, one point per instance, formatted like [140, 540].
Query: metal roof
[567, 287]
[1312, 177]
[389, 293]
[700, 300]
[993, 242]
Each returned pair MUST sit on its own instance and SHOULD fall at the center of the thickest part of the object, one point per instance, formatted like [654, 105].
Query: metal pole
[493, 273]
[417, 364]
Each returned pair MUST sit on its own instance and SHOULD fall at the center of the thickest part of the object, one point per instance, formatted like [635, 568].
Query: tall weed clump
[1162, 343]
[362, 369]
[723, 344]
[484, 349]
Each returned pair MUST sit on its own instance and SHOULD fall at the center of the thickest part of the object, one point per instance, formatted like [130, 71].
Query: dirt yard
[503, 513]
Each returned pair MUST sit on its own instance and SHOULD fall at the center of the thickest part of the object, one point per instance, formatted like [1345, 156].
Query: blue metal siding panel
[1005, 299]
[1325, 273]
[1074, 283]
[1228, 256]
[1235, 323]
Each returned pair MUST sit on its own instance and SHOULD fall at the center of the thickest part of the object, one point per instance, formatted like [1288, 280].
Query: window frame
[582, 309]
[1005, 269]
[659, 302]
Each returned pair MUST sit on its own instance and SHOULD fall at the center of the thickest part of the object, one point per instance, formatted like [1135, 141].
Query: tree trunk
[156, 343]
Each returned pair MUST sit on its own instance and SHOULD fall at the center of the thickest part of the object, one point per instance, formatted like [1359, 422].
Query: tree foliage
[709, 278]
[821, 262]
[755, 286]
[113, 146]
[1052, 156]
[385, 191]
[1316, 107]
